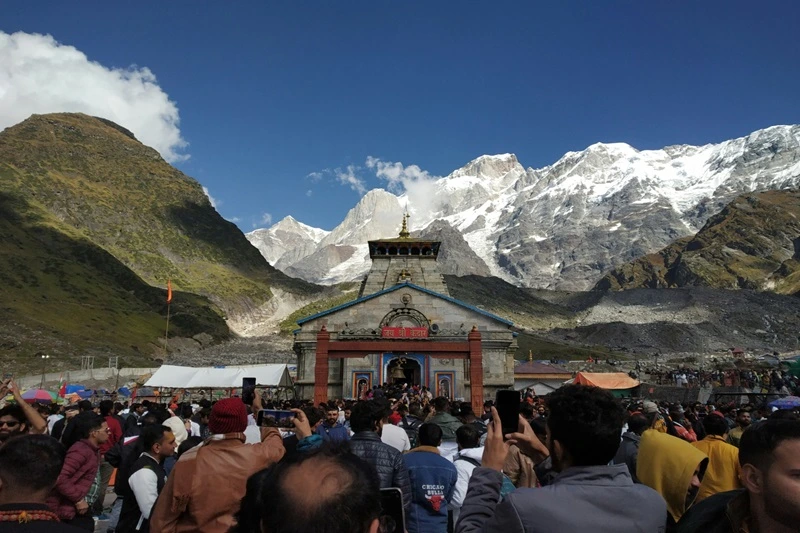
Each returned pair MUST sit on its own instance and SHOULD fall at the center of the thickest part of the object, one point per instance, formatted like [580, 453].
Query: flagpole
[169, 302]
[166, 333]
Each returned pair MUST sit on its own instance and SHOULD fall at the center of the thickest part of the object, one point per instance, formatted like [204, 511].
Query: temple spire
[404, 234]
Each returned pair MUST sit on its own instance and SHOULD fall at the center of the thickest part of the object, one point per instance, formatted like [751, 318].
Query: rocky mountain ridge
[753, 243]
[565, 225]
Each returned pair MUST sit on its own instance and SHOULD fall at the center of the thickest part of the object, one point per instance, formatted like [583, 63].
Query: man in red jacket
[68, 499]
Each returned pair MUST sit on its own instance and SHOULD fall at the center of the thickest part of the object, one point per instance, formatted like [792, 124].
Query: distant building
[404, 327]
[542, 378]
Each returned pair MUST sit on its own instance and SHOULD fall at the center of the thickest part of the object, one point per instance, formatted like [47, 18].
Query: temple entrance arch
[403, 369]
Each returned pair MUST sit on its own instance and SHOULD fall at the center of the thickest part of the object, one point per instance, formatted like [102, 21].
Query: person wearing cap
[654, 417]
[208, 482]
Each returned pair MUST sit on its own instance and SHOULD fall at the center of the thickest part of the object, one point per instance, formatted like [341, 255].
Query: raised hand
[301, 425]
[495, 450]
[527, 441]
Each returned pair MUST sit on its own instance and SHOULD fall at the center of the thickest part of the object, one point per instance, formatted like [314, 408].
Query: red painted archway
[470, 349]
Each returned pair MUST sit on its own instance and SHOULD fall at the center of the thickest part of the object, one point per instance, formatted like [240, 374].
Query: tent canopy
[187, 377]
[609, 380]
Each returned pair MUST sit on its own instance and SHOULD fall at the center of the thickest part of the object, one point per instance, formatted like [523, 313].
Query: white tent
[209, 377]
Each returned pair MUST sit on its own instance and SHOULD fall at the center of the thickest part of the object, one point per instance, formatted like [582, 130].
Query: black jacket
[721, 513]
[58, 429]
[122, 456]
[131, 514]
[386, 460]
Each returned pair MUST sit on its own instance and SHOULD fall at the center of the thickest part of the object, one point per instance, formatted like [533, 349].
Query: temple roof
[401, 286]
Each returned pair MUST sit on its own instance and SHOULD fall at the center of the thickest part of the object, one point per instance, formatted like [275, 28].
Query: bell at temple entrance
[398, 374]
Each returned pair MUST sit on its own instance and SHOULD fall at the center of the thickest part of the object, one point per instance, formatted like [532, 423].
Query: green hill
[92, 224]
[754, 243]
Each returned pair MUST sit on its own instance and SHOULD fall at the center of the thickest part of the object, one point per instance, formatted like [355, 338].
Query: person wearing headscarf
[673, 468]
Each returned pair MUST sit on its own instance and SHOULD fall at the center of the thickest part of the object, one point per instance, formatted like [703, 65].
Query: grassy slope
[121, 195]
[63, 295]
[93, 223]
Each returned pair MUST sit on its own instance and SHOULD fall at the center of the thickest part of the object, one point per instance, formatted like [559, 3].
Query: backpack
[480, 426]
[506, 488]
[412, 430]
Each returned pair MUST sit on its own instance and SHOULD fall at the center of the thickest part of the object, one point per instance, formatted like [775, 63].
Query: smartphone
[507, 405]
[248, 390]
[275, 418]
[393, 518]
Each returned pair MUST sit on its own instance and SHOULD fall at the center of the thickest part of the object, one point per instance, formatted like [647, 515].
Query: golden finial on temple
[530, 356]
[404, 234]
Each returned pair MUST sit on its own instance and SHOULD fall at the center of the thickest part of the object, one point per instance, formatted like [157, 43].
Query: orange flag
[169, 291]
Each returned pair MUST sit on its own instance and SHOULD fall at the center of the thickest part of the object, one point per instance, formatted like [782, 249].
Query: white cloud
[316, 176]
[235, 220]
[40, 75]
[309, 192]
[348, 177]
[214, 201]
[416, 184]
[266, 219]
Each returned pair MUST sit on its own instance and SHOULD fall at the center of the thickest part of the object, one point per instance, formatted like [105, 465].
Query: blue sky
[270, 94]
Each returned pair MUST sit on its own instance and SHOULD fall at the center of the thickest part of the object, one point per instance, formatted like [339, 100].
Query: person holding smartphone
[207, 483]
[583, 435]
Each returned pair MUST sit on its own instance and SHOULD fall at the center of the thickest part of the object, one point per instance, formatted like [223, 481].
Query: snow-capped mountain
[564, 225]
[285, 237]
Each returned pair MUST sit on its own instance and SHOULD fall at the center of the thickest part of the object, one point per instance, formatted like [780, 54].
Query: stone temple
[404, 327]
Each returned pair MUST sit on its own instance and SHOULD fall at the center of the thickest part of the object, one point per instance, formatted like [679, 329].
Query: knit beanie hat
[228, 416]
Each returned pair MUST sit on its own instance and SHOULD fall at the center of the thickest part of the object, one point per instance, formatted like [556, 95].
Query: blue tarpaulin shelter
[789, 402]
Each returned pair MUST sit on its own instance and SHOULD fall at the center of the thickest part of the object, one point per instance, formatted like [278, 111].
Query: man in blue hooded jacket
[433, 480]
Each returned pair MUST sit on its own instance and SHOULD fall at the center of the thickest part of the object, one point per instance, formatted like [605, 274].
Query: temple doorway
[402, 370]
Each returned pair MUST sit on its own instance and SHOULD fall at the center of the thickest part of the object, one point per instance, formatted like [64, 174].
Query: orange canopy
[609, 380]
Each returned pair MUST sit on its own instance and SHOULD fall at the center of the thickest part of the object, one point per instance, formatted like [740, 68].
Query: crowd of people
[579, 460]
[772, 381]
